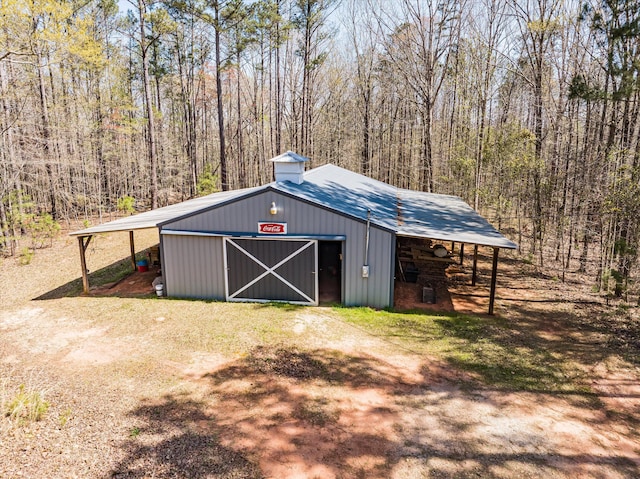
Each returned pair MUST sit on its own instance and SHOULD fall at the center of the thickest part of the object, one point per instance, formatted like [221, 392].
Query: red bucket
[143, 265]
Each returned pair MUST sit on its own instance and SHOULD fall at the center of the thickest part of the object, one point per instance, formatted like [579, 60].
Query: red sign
[272, 228]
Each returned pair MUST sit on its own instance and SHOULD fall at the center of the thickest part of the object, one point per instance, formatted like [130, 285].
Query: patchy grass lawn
[119, 387]
[494, 351]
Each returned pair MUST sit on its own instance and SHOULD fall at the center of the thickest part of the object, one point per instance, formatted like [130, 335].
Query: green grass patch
[175, 329]
[112, 273]
[64, 417]
[109, 274]
[278, 305]
[26, 405]
[492, 349]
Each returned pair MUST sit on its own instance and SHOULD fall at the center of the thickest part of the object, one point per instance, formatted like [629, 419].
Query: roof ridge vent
[289, 167]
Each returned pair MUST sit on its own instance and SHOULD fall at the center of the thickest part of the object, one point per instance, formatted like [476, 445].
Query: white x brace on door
[271, 270]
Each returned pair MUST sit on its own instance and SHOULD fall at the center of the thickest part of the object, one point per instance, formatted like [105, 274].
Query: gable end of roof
[248, 194]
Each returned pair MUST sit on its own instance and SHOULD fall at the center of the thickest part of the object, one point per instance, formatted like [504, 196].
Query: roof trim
[450, 238]
[274, 189]
[227, 234]
[153, 218]
[256, 191]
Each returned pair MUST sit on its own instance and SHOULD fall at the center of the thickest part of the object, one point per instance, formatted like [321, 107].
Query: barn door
[272, 270]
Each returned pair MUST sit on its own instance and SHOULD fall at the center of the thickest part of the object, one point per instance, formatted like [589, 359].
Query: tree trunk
[223, 153]
[278, 84]
[151, 133]
[242, 167]
[46, 137]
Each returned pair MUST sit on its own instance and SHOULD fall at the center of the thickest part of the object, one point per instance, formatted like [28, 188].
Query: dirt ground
[135, 391]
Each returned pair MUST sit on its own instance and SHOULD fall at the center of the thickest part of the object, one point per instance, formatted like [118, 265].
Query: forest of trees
[527, 109]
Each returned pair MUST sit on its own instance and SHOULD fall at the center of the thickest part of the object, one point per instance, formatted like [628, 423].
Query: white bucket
[159, 289]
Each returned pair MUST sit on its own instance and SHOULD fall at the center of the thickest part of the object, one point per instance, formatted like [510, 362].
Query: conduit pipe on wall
[365, 267]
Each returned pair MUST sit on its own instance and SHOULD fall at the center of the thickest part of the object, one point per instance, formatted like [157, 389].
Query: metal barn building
[325, 235]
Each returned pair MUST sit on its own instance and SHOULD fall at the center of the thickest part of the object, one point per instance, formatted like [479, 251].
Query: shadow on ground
[582, 327]
[116, 279]
[318, 413]
[179, 439]
[278, 412]
[283, 412]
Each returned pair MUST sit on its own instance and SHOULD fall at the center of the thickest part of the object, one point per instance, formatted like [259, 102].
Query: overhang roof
[446, 218]
[151, 219]
[406, 212]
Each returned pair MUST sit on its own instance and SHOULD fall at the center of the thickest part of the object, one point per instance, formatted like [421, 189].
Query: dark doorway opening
[330, 271]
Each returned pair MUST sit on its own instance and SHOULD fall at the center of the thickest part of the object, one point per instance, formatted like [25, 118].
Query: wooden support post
[133, 251]
[474, 273]
[494, 274]
[83, 261]
[461, 253]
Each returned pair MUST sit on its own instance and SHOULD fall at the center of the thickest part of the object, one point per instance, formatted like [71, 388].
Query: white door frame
[232, 296]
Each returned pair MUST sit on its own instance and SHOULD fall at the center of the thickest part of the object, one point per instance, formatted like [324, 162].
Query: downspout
[162, 263]
[365, 267]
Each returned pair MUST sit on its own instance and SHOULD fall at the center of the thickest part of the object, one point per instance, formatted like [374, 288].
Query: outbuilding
[325, 235]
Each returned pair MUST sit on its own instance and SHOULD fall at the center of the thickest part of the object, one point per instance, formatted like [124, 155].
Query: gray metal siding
[193, 267]
[302, 219]
[381, 265]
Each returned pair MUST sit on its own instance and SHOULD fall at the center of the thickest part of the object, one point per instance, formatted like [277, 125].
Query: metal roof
[289, 157]
[151, 219]
[347, 192]
[406, 212]
[446, 218]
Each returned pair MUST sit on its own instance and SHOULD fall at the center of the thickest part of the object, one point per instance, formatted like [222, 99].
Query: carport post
[461, 253]
[83, 261]
[474, 272]
[133, 251]
[494, 274]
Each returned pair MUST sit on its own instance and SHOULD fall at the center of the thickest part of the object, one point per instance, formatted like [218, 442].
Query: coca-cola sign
[272, 228]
